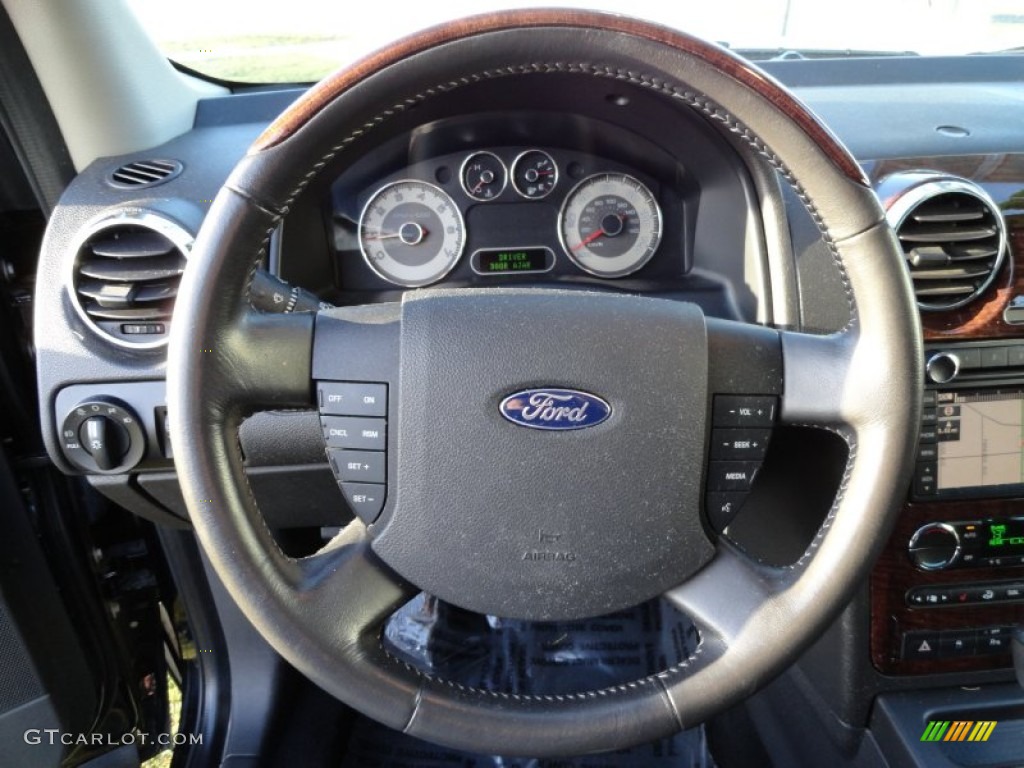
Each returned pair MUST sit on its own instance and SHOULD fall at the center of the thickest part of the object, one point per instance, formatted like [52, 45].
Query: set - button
[353, 415]
[741, 427]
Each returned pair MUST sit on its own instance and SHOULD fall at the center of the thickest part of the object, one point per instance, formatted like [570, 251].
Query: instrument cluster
[508, 211]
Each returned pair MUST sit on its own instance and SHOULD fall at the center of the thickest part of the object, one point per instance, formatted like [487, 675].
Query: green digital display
[510, 261]
[998, 537]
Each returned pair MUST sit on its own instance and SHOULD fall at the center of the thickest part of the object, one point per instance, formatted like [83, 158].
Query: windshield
[268, 41]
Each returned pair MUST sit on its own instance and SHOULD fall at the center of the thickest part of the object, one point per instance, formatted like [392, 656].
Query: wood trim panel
[1002, 176]
[307, 106]
[894, 574]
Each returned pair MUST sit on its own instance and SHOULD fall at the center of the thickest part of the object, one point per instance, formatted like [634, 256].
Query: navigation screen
[980, 439]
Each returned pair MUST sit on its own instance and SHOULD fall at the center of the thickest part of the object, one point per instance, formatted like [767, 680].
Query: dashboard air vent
[145, 173]
[953, 238]
[126, 274]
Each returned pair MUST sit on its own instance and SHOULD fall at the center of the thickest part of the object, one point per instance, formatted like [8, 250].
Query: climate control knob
[934, 546]
[102, 435]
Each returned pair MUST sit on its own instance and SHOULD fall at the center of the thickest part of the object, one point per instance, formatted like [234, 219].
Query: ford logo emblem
[552, 408]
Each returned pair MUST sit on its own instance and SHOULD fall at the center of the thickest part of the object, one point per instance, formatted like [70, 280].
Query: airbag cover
[537, 523]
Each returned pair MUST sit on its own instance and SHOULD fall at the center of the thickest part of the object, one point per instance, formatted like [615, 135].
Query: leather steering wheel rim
[324, 613]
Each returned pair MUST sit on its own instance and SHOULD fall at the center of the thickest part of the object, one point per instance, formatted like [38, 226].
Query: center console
[949, 587]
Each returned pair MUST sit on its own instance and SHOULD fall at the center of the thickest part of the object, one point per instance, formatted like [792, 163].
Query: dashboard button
[359, 466]
[994, 357]
[744, 410]
[723, 507]
[928, 417]
[969, 357]
[958, 642]
[731, 475]
[739, 444]
[983, 594]
[1012, 592]
[1015, 355]
[352, 398]
[365, 499]
[927, 435]
[924, 479]
[929, 596]
[920, 645]
[353, 432]
[993, 642]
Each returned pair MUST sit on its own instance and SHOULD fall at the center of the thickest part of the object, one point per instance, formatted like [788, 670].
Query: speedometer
[411, 233]
[610, 225]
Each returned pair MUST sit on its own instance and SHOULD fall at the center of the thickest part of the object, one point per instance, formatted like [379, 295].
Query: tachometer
[610, 225]
[411, 233]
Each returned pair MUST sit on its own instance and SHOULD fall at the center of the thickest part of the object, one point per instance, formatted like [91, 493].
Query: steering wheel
[469, 493]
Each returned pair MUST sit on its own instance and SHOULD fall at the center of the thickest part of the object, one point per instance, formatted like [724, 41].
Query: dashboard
[608, 192]
[516, 211]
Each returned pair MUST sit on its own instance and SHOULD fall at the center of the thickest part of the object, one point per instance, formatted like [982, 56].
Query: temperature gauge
[483, 176]
[534, 174]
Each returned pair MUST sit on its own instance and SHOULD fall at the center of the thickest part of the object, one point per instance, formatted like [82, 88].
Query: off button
[352, 398]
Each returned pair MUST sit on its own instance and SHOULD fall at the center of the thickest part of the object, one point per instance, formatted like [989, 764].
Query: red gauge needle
[588, 239]
[611, 230]
[409, 233]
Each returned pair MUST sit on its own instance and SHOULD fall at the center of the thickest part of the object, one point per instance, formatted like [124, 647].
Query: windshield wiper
[1002, 51]
[783, 54]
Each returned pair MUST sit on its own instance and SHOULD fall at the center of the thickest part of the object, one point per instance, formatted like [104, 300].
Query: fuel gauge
[534, 174]
[483, 176]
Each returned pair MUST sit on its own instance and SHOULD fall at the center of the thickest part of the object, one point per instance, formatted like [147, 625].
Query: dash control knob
[934, 546]
[942, 367]
[102, 435]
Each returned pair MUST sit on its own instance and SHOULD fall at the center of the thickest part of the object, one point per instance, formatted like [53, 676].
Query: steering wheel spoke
[261, 361]
[726, 595]
[817, 375]
[351, 593]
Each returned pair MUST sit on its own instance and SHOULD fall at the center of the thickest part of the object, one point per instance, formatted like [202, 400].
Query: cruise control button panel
[741, 428]
[353, 415]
